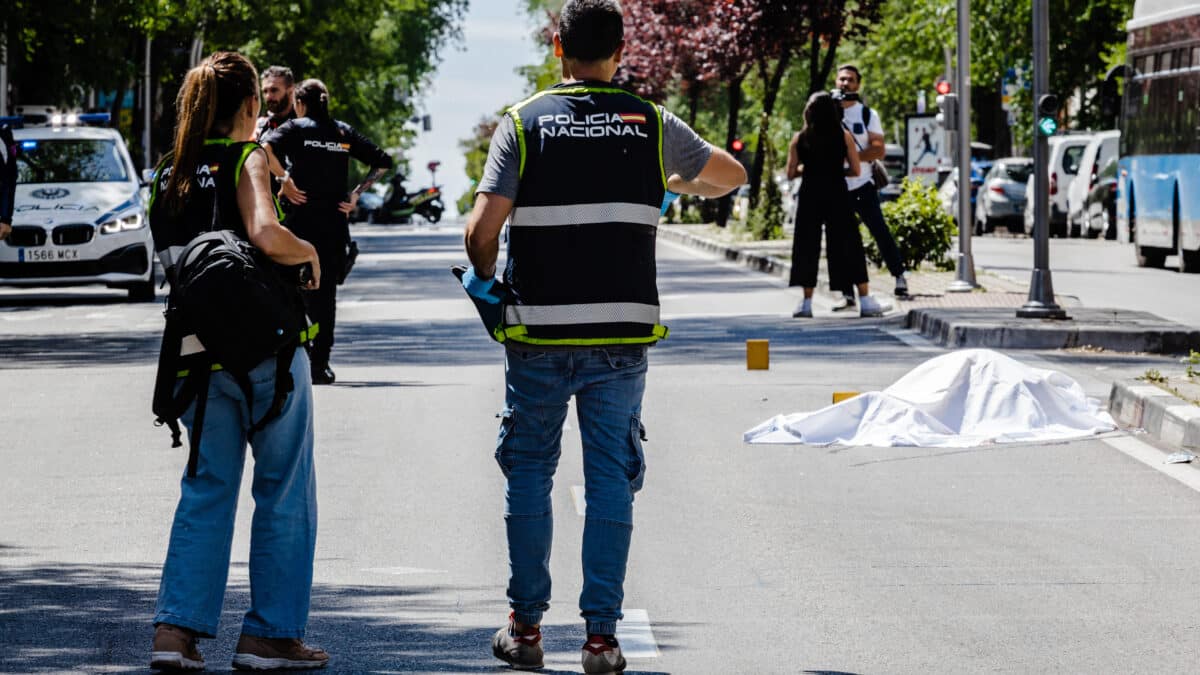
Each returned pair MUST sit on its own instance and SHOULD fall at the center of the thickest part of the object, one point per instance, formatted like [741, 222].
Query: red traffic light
[942, 87]
[737, 145]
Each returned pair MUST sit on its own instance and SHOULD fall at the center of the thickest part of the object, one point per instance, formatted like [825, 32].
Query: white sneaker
[803, 310]
[869, 306]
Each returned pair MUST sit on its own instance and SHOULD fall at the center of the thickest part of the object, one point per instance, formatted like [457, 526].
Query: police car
[80, 215]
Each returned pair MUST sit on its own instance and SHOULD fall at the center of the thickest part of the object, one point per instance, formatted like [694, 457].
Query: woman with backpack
[317, 149]
[216, 179]
[824, 153]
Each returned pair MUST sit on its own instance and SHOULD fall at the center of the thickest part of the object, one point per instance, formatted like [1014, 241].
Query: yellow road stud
[758, 355]
[839, 396]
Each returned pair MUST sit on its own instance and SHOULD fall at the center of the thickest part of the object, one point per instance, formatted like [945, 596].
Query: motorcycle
[399, 205]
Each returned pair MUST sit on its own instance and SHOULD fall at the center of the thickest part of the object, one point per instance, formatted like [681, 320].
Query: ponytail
[212, 93]
[315, 96]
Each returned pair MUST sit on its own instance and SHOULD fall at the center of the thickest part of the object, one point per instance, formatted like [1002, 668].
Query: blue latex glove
[479, 288]
[667, 199]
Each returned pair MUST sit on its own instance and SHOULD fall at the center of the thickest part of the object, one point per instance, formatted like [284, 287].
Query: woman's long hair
[822, 121]
[212, 93]
[315, 96]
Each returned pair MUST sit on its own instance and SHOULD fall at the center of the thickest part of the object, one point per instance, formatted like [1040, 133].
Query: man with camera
[864, 125]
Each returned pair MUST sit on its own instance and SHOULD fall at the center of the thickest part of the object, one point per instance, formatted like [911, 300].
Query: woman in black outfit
[824, 154]
[318, 149]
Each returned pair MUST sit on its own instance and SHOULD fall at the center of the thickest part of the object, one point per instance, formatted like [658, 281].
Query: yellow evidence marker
[839, 396]
[758, 355]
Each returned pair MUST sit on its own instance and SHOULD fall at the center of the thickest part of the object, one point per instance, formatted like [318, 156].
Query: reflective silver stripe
[585, 214]
[566, 315]
[190, 345]
[170, 255]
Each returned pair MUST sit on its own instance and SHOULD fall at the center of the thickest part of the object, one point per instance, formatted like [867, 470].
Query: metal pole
[965, 280]
[146, 105]
[1040, 304]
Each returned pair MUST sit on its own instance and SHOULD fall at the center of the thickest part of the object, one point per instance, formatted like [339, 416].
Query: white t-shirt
[852, 118]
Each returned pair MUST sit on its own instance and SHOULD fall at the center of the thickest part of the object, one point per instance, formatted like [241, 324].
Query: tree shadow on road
[92, 618]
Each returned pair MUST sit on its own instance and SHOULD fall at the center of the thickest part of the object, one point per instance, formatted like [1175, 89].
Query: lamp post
[1041, 304]
[965, 277]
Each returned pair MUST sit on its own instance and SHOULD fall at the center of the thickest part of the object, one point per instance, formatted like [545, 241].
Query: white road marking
[577, 496]
[402, 570]
[914, 340]
[1154, 458]
[635, 636]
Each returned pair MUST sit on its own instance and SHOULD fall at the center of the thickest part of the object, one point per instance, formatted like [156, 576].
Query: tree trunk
[771, 84]
[731, 132]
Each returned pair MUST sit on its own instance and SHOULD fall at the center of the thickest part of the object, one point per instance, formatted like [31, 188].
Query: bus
[1158, 188]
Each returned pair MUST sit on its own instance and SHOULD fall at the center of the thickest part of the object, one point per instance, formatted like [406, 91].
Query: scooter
[400, 205]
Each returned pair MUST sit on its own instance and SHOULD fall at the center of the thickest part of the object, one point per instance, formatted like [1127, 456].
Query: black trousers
[865, 202]
[830, 209]
[326, 229]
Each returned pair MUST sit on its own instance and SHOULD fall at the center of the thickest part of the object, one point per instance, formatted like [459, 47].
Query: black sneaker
[847, 302]
[602, 655]
[323, 375]
[901, 287]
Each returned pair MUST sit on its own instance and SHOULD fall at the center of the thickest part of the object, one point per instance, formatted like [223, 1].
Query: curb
[756, 261]
[999, 328]
[1164, 416]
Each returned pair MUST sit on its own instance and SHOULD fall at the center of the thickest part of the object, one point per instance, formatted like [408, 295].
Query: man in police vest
[581, 170]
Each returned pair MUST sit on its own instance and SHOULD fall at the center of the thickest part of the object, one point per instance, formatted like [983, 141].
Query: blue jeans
[283, 534]
[607, 384]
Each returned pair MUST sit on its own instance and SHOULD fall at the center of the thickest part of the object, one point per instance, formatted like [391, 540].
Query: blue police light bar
[29, 145]
[14, 121]
[94, 119]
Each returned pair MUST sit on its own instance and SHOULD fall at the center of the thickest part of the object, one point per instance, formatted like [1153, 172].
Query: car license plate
[47, 254]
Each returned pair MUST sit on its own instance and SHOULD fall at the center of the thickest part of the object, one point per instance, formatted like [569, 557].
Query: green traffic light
[1047, 125]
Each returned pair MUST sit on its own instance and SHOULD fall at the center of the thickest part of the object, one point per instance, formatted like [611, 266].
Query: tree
[476, 150]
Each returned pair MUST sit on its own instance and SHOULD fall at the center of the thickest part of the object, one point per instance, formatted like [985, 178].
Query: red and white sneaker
[522, 651]
[602, 655]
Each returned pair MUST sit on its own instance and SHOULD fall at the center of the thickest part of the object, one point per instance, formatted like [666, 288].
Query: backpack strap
[284, 385]
[866, 116]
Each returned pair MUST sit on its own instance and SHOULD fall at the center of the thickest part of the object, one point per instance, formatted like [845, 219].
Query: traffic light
[947, 110]
[942, 87]
[1047, 109]
[737, 146]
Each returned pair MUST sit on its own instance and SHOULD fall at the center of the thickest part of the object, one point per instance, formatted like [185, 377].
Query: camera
[843, 95]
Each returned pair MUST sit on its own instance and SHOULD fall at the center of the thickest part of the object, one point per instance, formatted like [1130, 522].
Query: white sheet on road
[961, 399]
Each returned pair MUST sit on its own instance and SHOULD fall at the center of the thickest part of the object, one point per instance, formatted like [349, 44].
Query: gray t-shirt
[684, 153]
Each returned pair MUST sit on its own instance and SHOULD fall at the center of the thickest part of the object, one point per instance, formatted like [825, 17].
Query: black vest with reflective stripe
[581, 236]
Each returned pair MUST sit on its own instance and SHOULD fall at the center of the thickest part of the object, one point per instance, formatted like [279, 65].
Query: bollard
[758, 355]
[839, 396]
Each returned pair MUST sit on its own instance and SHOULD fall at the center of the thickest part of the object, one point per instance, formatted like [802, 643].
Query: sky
[475, 79]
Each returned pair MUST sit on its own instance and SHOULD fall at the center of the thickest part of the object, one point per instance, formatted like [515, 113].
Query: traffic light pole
[965, 279]
[1040, 304]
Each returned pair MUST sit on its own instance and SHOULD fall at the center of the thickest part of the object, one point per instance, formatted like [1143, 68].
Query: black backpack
[233, 299]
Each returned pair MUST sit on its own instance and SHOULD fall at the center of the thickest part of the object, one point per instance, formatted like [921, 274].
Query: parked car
[1001, 198]
[80, 214]
[1102, 148]
[893, 159]
[1064, 152]
[948, 192]
[1100, 206]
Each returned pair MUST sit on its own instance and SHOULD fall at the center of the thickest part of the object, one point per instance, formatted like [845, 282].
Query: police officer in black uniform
[278, 92]
[319, 149]
[8, 179]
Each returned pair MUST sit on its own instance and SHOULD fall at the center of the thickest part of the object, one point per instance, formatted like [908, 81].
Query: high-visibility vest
[581, 263]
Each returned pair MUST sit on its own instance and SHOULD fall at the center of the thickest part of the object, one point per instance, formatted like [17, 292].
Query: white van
[1099, 151]
[1065, 152]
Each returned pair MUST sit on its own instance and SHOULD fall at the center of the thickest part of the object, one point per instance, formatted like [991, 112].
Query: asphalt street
[1069, 557]
[1100, 273]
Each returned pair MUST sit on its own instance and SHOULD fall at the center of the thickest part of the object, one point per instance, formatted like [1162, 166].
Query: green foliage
[476, 149]
[1192, 361]
[1154, 376]
[921, 227]
[766, 217]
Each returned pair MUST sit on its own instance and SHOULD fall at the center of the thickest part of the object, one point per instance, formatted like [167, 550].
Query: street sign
[1047, 125]
[925, 148]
